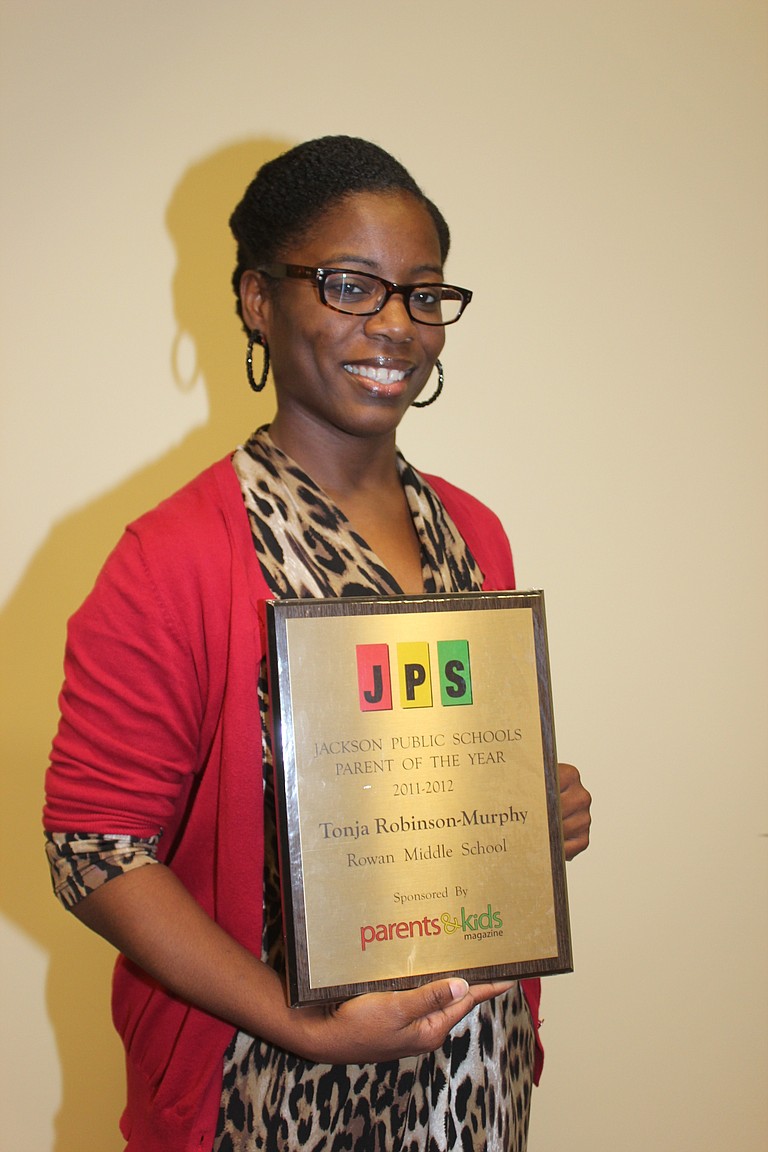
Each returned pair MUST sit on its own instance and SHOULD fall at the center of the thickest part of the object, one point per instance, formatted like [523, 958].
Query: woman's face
[357, 374]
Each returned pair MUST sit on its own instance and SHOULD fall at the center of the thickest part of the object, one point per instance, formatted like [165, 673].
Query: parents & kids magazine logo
[473, 925]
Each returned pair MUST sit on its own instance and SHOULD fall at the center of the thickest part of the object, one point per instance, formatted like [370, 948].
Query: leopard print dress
[474, 1092]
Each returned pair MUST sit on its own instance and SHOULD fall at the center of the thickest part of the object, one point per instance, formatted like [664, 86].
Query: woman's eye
[347, 288]
[426, 299]
[356, 288]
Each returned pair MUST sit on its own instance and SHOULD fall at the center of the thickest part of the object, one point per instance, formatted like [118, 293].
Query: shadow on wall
[32, 630]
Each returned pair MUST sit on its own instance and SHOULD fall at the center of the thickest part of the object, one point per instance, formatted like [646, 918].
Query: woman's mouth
[377, 375]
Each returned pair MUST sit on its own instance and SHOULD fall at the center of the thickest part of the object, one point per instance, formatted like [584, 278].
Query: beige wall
[603, 166]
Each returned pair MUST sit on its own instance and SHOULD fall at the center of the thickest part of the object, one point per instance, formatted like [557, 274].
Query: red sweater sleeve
[132, 707]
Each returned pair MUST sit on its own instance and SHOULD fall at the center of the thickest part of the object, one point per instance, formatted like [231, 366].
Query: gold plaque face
[416, 790]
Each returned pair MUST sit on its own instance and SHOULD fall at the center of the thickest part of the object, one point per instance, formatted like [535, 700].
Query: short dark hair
[289, 193]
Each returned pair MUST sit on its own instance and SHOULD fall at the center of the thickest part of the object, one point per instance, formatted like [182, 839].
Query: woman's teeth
[377, 375]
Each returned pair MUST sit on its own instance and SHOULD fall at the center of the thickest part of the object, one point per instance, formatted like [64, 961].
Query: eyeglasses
[361, 294]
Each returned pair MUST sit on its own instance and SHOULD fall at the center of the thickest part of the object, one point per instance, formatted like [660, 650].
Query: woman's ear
[254, 300]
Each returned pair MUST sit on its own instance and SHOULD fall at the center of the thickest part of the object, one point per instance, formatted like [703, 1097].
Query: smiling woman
[345, 380]
[160, 807]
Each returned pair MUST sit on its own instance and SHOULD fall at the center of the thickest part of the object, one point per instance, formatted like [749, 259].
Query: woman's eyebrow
[347, 257]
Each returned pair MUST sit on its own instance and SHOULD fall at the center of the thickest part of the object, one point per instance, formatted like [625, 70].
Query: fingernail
[459, 988]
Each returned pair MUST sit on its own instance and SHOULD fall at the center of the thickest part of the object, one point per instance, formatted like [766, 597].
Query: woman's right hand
[383, 1026]
[149, 915]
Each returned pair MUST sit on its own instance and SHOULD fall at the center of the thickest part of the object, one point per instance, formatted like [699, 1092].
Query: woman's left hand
[575, 803]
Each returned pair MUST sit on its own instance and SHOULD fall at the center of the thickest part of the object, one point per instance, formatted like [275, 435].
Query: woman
[159, 812]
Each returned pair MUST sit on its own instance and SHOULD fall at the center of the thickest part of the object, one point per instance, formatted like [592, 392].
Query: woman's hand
[385, 1026]
[575, 803]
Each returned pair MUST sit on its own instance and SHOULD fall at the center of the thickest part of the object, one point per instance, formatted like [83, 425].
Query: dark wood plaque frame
[286, 706]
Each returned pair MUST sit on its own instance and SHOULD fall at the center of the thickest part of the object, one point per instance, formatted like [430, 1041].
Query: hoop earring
[437, 391]
[256, 337]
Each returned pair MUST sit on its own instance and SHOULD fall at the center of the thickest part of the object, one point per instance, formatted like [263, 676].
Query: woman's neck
[360, 475]
[345, 466]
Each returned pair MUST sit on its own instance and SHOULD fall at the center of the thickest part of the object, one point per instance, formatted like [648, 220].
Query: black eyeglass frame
[319, 275]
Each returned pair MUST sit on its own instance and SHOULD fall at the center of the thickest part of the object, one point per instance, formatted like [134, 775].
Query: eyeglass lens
[361, 294]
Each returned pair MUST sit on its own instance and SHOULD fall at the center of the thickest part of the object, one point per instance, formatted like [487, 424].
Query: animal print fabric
[307, 547]
[474, 1092]
[81, 862]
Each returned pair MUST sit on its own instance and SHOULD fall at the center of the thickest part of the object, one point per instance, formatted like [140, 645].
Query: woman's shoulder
[481, 528]
[207, 502]
[459, 502]
[186, 548]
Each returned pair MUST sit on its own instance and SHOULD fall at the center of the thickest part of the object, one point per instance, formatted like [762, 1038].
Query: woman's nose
[392, 318]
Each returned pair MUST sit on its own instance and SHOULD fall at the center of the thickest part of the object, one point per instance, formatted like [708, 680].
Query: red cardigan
[160, 732]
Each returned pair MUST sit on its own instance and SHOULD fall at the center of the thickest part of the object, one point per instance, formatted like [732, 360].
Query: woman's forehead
[373, 227]
[375, 219]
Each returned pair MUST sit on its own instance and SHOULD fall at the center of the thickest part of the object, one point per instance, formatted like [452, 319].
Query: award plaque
[416, 788]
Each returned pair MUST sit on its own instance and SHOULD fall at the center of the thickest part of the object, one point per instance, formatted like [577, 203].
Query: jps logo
[413, 672]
